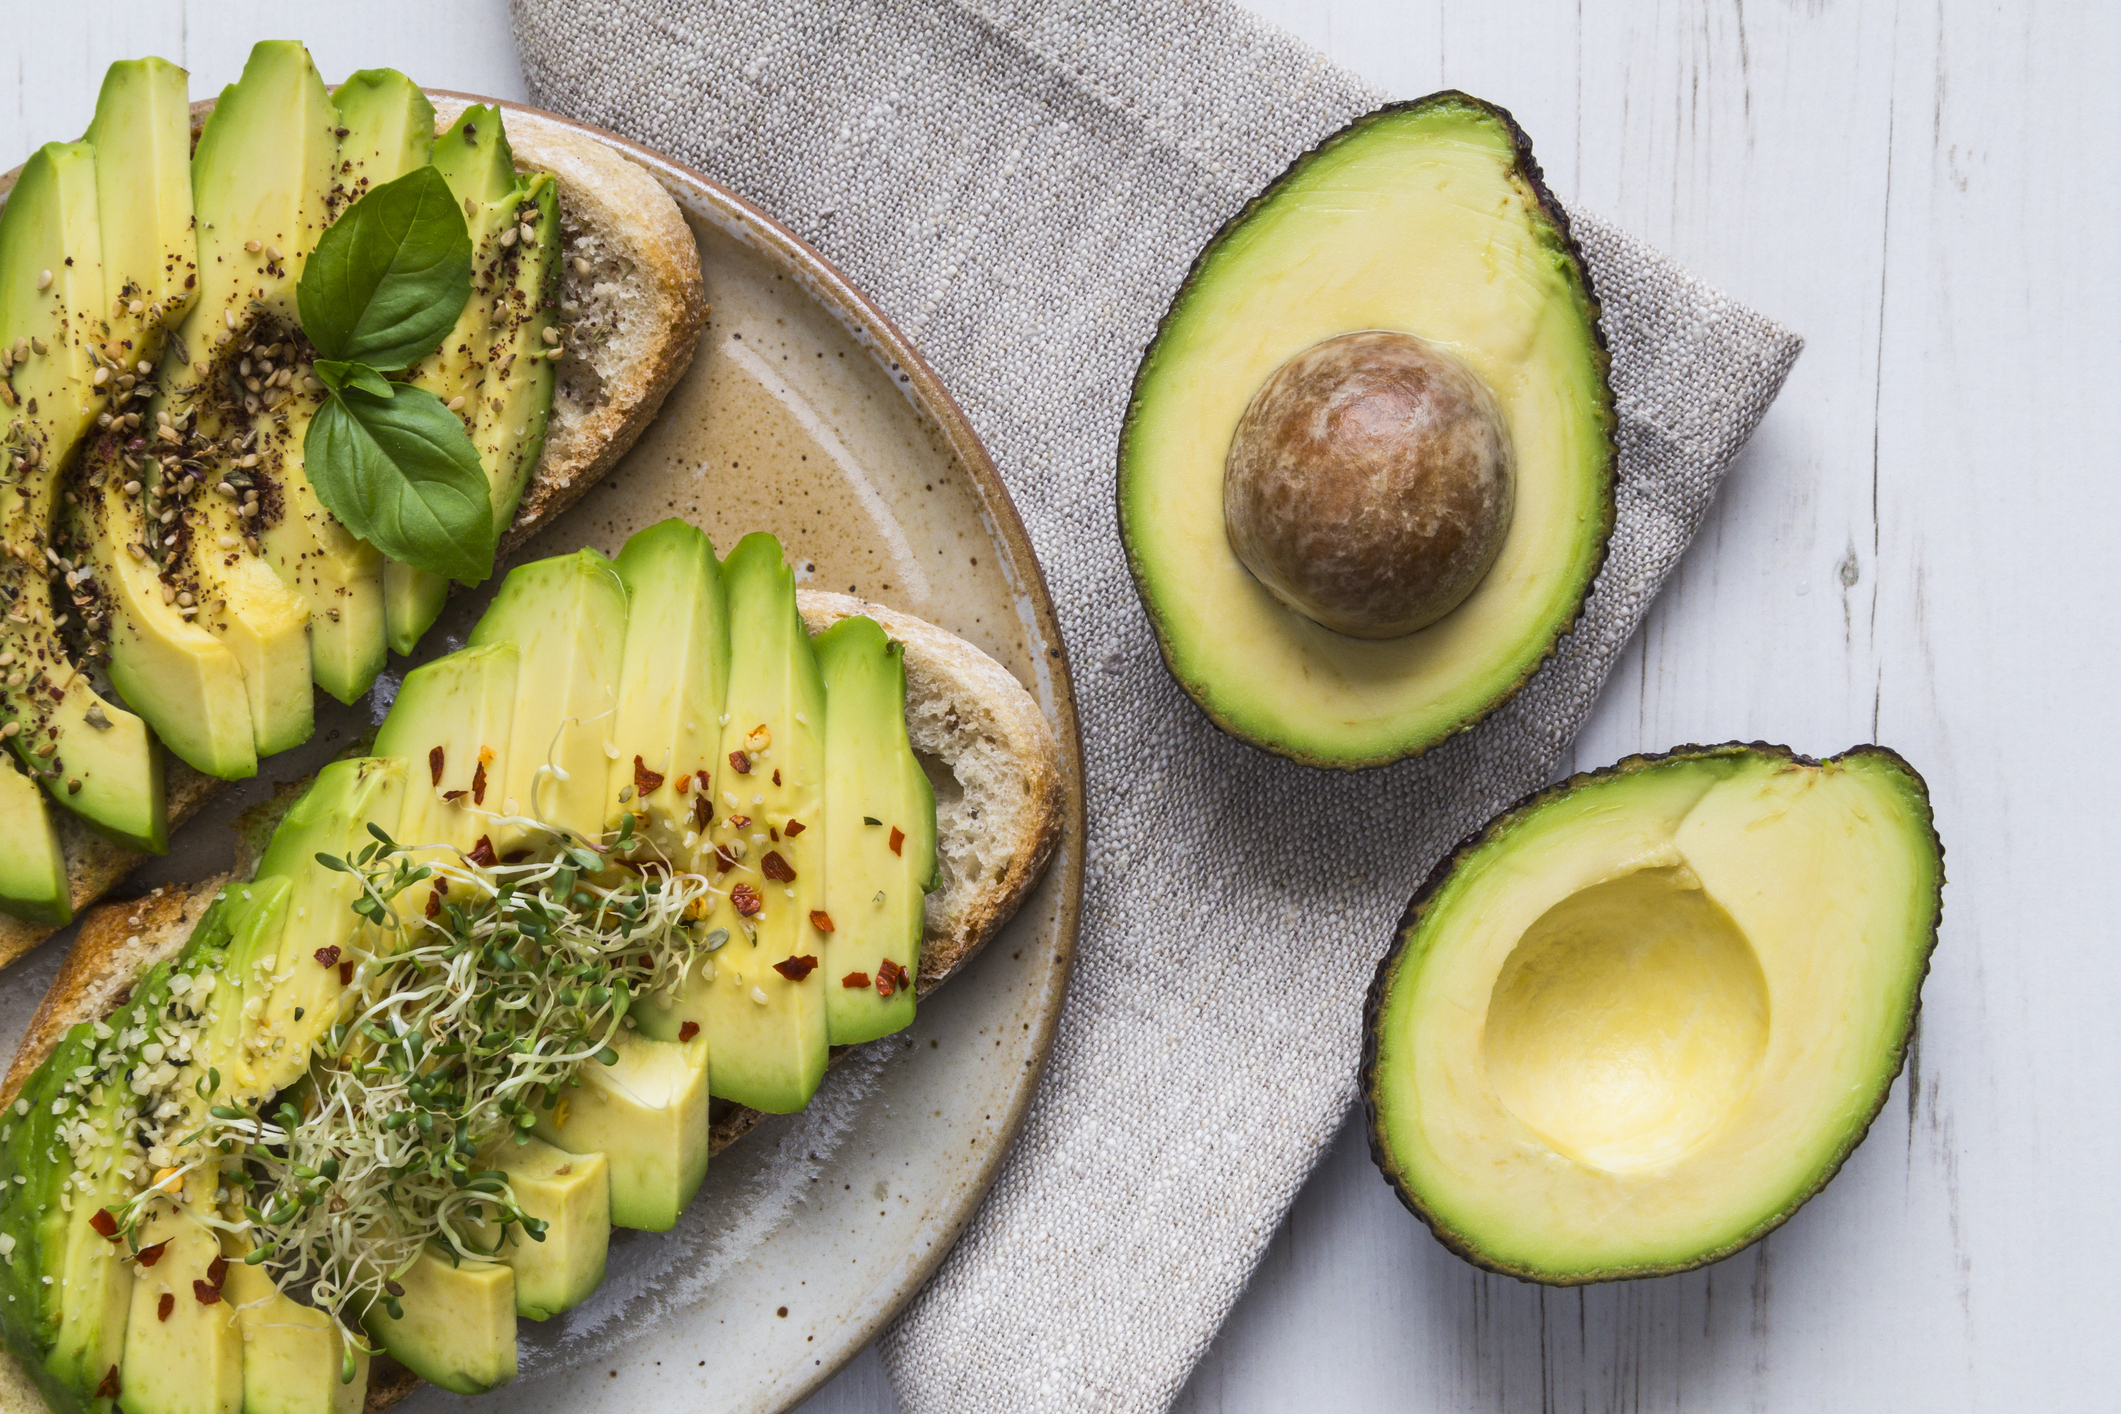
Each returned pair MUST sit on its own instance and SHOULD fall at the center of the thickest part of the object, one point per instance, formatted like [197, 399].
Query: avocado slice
[879, 841]
[183, 1342]
[676, 671]
[567, 618]
[571, 1195]
[475, 159]
[385, 129]
[1573, 1072]
[459, 1324]
[244, 946]
[261, 177]
[90, 754]
[450, 722]
[759, 993]
[32, 862]
[319, 931]
[1425, 218]
[647, 1114]
[142, 136]
[294, 1356]
[516, 403]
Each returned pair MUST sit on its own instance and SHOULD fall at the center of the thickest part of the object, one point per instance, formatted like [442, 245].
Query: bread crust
[621, 206]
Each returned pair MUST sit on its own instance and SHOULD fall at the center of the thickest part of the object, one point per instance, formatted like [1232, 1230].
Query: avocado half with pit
[1366, 474]
[1632, 1025]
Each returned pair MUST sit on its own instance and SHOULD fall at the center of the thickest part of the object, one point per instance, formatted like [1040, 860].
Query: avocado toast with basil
[192, 570]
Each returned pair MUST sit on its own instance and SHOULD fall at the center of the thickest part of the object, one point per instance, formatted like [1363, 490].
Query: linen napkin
[1021, 187]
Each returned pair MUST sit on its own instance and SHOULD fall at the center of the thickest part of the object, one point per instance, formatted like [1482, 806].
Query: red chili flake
[167, 1304]
[795, 827]
[104, 1224]
[328, 956]
[855, 981]
[689, 1030]
[775, 834]
[684, 782]
[434, 904]
[775, 867]
[740, 822]
[795, 969]
[345, 974]
[898, 838]
[124, 999]
[740, 762]
[109, 1388]
[442, 886]
[148, 1256]
[776, 775]
[648, 962]
[515, 856]
[217, 1271]
[434, 764]
[482, 854]
[645, 781]
[724, 861]
[453, 796]
[702, 811]
[207, 1293]
[747, 900]
[821, 920]
[478, 782]
[891, 978]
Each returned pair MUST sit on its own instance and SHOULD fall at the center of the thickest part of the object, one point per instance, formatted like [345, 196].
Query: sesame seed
[44, 279]
[254, 246]
[136, 308]
[272, 253]
[456, 404]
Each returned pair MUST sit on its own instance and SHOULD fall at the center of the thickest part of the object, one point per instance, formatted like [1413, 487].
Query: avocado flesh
[1574, 1073]
[647, 1115]
[386, 128]
[95, 1282]
[253, 916]
[459, 1327]
[50, 224]
[516, 403]
[1428, 218]
[32, 862]
[262, 172]
[875, 895]
[293, 1355]
[142, 136]
[450, 724]
[475, 159]
[571, 1194]
[767, 1032]
[192, 1361]
[319, 928]
[676, 672]
[567, 618]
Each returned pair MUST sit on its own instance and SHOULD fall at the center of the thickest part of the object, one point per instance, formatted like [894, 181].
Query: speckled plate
[808, 414]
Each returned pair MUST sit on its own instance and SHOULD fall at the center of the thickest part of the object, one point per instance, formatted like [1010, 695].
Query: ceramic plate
[805, 413]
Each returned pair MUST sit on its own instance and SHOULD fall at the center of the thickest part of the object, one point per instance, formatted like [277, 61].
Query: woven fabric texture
[1022, 187]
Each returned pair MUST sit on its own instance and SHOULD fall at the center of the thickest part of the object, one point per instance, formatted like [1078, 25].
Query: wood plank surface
[1918, 548]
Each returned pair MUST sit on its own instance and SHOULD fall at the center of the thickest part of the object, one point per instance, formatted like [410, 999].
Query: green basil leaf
[402, 474]
[388, 279]
[336, 376]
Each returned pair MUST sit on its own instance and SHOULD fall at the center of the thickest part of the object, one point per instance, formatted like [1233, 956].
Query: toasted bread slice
[632, 270]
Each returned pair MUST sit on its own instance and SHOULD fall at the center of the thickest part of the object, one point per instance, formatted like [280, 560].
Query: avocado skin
[1528, 168]
[1388, 968]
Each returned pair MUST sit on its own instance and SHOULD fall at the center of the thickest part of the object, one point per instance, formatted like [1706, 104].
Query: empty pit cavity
[1628, 1022]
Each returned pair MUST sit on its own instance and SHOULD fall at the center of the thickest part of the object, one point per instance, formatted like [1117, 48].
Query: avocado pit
[1370, 483]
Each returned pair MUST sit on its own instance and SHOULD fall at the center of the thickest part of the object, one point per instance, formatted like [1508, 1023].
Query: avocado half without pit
[1632, 1025]
[1366, 472]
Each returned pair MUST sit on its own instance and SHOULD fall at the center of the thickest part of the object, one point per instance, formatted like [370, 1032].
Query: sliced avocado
[386, 128]
[459, 1324]
[567, 618]
[647, 1115]
[32, 862]
[142, 136]
[183, 1343]
[879, 835]
[676, 672]
[261, 182]
[294, 1357]
[252, 916]
[320, 932]
[1426, 219]
[760, 995]
[1573, 1072]
[476, 161]
[515, 403]
[95, 1282]
[91, 755]
[185, 681]
[450, 723]
[571, 1194]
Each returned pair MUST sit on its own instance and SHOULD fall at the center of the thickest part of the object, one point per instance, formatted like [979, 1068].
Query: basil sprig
[380, 292]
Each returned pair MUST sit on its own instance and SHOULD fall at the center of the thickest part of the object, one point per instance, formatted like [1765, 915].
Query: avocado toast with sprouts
[612, 880]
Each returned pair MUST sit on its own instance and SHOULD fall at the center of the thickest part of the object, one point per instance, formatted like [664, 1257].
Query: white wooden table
[1919, 548]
